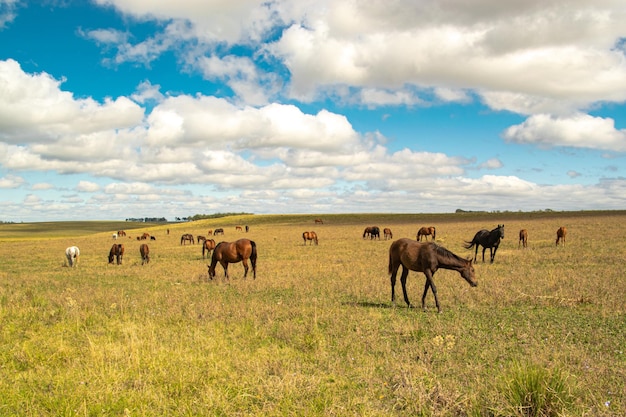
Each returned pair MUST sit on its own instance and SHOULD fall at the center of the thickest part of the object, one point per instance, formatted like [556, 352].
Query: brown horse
[200, 238]
[239, 228]
[187, 237]
[425, 232]
[425, 257]
[144, 250]
[219, 231]
[116, 253]
[145, 236]
[319, 221]
[232, 252]
[207, 247]
[121, 233]
[560, 235]
[523, 238]
[372, 232]
[387, 233]
[312, 236]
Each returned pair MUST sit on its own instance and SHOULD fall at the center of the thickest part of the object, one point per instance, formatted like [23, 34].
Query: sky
[117, 109]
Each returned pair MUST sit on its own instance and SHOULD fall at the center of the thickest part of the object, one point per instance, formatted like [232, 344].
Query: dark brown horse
[207, 247]
[425, 232]
[372, 231]
[116, 253]
[311, 236]
[426, 257]
[200, 238]
[219, 231]
[387, 233]
[144, 250]
[487, 239]
[523, 238]
[233, 252]
[187, 237]
[560, 235]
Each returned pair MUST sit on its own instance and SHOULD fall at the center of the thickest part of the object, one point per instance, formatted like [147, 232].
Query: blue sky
[111, 109]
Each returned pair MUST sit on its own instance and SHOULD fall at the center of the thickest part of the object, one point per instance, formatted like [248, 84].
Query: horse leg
[430, 283]
[405, 273]
[493, 255]
[245, 267]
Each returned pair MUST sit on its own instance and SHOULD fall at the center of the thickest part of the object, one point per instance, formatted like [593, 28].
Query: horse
[145, 236]
[426, 257]
[312, 236]
[209, 233]
[72, 253]
[523, 238]
[387, 233]
[200, 238]
[114, 236]
[239, 228]
[121, 233]
[247, 228]
[319, 221]
[144, 250]
[117, 253]
[233, 252]
[372, 232]
[207, 247]
[425, 232]
[219, 231]
[187, 237]
[560, 235]
[487, 239]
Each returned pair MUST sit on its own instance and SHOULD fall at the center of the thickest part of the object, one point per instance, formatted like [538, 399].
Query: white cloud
[11, 181]
[87, 186]
[578, 130]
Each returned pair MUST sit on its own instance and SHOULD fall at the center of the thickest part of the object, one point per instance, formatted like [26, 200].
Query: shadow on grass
[367, 304]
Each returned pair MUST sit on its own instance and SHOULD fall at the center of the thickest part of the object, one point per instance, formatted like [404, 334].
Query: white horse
[72, 253]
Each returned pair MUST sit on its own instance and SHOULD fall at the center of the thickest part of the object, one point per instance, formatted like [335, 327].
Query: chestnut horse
[523, 238]
[560, 235]
[232, 252]
[319, 221]
[426, 257]
[312, 236]
[208, 246]
[425, 232]
[144, 250]
[72, 253]
[387, 233]
[116, 253]
[487, 239]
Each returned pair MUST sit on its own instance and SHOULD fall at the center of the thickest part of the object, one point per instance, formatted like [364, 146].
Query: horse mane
[441, 251]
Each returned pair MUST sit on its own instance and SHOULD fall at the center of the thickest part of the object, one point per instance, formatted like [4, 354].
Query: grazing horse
[425, 232]
[387, 233]
[219, 231]
[116, 253]
[487, 239]
[233, 252]
[145, 236]
[207, 247]
[121, 233]
[72, 253]
[200, 238]
[187, 237]
[523, 238]
[209, 233]
[319, 221]
[372, 232]
[312, 236]
[560, 235]
[144, 250]
[426, 257]
[239, 228]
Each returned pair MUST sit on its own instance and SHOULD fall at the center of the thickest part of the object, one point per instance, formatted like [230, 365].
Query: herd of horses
[412, 255]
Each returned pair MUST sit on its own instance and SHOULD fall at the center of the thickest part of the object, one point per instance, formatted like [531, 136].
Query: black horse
[487, 239]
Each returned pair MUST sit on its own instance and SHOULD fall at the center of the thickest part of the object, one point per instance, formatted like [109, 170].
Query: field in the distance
[315, 334]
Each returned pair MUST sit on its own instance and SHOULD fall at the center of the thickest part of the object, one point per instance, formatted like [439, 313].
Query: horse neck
[448, 260]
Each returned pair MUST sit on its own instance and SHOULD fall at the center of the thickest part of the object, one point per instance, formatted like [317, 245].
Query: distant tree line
[148, 219]
[214, 216]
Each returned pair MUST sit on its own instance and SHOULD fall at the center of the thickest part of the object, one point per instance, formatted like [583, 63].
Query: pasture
[316, 334]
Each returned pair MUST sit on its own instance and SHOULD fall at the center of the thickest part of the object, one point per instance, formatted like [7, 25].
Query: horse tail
[253, 254]
[469, 245]
[390, 264]
[434, 233]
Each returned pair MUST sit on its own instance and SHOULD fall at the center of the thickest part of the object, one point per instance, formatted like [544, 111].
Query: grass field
[543, 334]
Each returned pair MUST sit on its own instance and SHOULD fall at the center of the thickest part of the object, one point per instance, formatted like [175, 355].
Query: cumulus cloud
[11, 181]
[578, 130]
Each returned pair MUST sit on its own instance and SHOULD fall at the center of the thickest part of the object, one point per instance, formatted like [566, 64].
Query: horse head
[468, 273]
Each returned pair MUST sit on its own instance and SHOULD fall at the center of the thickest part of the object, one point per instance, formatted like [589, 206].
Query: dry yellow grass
[315, 333]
